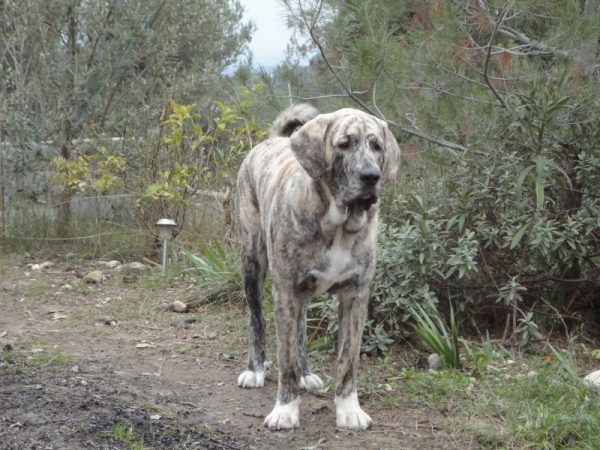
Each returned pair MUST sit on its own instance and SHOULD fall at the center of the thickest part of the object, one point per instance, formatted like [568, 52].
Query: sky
[271, 36]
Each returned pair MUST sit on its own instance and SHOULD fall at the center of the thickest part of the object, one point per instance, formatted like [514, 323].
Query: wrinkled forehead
[349, 122]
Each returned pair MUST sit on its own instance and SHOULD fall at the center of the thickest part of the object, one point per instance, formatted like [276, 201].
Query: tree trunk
[64, 212]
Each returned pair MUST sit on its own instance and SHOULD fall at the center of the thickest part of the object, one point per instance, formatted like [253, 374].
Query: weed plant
[433, 331]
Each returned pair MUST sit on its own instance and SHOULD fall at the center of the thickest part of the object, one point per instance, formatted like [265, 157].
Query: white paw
[250, 379]
[349, 415]
[311, 382]
[284, 417]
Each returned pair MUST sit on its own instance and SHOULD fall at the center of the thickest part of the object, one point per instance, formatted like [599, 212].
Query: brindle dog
[308, 205]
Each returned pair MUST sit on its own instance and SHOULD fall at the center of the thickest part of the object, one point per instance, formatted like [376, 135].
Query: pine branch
[521, 37]
[487, 59]
[413, 131]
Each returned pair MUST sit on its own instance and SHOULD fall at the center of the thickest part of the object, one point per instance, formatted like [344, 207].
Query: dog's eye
[376, 146]
[344, 144]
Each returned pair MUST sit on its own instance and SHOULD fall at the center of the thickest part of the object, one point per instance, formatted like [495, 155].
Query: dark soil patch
[58, 409]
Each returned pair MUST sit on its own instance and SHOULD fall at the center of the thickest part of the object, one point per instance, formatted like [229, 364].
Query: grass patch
[162, 410]
[55, 359]
[126, 435]
[530, 404]
[38, 289]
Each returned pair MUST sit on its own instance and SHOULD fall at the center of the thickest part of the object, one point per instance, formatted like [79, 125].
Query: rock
[66, 287]
[32, 419]
[106, 320]
[129, 278]
[36, 351]
[75, 369]
[592, 379]
[93, 277]
[35, 267]
[179, 307]
[435, 362]
[145, 345]
[131, 266]
[183, 322]
[113, 264]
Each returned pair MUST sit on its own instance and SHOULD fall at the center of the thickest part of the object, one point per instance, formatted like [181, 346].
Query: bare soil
[154, 381]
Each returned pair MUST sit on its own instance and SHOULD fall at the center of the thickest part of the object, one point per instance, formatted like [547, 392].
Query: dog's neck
[351, 219]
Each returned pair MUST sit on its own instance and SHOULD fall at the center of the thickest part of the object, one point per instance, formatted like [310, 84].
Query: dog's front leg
[288, 309]
[352, 315]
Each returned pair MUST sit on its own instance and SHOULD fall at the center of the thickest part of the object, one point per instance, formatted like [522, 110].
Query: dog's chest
[339, 263]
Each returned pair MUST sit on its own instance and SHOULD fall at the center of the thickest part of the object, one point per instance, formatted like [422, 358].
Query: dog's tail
[291, 118]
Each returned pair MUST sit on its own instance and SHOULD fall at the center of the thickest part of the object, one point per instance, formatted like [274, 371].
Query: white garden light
[165, 232]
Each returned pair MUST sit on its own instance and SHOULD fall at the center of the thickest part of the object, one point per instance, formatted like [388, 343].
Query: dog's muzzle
[370, 182]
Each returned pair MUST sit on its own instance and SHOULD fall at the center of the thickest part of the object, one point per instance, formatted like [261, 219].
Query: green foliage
[195, 157]
[217, 274]
[512, 226]
[376, 339]
[480, 356]
[76, 176]
[432, 330]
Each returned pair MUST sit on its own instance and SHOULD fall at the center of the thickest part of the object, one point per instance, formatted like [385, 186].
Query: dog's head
[354, 152]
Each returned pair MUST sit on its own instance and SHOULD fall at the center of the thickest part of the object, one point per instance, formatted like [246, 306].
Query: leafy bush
[512, 235]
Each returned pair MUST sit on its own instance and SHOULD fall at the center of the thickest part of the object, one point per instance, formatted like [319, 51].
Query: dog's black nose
[370, 176]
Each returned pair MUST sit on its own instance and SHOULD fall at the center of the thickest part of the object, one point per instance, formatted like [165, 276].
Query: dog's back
[261, 172]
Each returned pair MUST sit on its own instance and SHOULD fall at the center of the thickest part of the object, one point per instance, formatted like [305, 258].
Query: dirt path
[94, 387]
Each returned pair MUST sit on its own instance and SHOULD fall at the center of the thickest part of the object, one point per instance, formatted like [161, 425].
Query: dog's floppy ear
[310, 147]
[391, 154]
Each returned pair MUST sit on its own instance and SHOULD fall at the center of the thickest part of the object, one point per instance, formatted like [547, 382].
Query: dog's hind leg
[254, 268]
[309, 380]
[352, 313]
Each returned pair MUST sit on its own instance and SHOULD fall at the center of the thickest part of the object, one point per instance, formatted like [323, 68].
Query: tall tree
[74, 69]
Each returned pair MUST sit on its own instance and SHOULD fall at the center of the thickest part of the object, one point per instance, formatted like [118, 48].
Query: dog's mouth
[366, 201]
